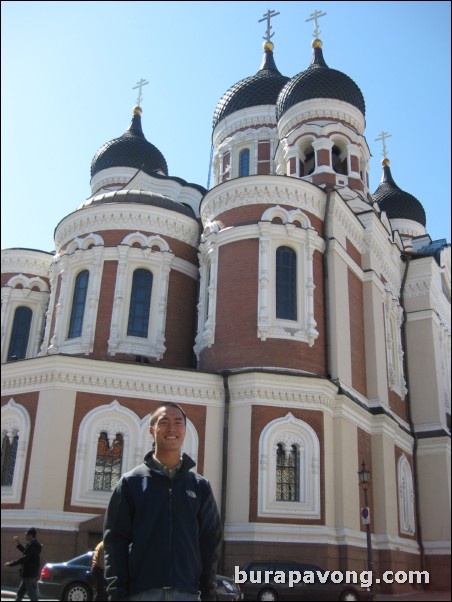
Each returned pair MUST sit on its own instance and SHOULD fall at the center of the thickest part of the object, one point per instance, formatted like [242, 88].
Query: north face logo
[191, 493]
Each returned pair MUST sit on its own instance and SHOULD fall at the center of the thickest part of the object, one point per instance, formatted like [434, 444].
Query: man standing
[30, 564]
[162, 530]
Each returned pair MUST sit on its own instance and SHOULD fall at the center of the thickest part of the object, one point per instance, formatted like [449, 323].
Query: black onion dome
[262, 88]
[130, 150]
[319, 81]
[397, 203]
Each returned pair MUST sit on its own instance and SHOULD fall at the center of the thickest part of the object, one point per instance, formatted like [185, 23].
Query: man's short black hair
[31, 531]
[170, 404]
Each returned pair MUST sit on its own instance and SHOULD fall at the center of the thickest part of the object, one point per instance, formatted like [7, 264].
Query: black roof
[130, 150]
[319, 81]
[397, 203]
[259, 89]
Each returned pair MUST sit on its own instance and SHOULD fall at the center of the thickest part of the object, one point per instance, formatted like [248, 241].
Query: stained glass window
[108, 462]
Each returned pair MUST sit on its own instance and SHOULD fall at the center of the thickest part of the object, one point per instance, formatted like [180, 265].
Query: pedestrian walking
[162, 530]
[30, 565]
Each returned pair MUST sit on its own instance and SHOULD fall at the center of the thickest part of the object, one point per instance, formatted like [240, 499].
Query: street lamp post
[364, 480]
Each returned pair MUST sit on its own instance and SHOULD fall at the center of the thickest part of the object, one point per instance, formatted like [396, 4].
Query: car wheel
[267, 595]
[77, 592]
[349, 596]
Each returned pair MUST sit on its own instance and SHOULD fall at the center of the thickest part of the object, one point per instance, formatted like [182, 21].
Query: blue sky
[68, 70]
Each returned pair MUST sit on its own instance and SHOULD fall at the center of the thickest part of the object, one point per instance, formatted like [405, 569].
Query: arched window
[406, 496]
[307, 161]
[78, 305]
[10, 442]
[140, 302]
[286, 283]
[287, 473]
[20, 334]
[339, 160]
[244, 162]
[108, 462]
[15, 440]
[289, 470]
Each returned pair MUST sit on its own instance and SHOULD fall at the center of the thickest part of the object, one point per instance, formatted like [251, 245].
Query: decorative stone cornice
[251, 117]
[26, 261]
[119, 216]
[103, 377]
[267, 190]
[308, 110]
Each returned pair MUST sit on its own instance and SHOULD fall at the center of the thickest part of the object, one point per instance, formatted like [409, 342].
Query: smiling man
[162, 529]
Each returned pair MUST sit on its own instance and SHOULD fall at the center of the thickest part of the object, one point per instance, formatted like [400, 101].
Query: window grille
[287, 473]
[9, 454]
[108, 462]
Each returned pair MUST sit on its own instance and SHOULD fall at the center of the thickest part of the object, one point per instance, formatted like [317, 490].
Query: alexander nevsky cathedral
[301, 319]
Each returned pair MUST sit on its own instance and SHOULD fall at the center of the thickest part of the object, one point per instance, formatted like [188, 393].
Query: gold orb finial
[316, 43]
[137, 110]
[268, 46]
[385, 162]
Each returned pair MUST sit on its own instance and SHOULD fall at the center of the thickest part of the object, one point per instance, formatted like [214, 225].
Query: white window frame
[78, 257]
[289, 430]
[111, 419]
[16, 421]
[304, 241]
[37, 301]
[153, 255]
[137, 442]
[208, 269]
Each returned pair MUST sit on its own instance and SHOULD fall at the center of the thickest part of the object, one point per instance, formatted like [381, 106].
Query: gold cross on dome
[315, 16]
[267, 16]
[383, 137]
[140, 85]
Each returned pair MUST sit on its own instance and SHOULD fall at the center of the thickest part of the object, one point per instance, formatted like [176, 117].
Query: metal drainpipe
[407, 259]
[326, 298]
[224, 476]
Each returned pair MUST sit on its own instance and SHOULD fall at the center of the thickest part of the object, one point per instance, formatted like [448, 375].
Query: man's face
[168, 430]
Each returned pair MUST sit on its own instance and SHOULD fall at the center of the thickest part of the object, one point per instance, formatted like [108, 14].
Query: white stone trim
[406, 496]
[127, 216]
[134, 380]
[393, 314]
[316, 534]
[329, 108]
[208, 262]
[16, 421]
[266, 190]
[290, 429]
[18, 520]
[26, 261]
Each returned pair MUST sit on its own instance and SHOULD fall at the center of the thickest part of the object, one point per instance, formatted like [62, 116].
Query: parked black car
[277, 587]
[71, 580]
